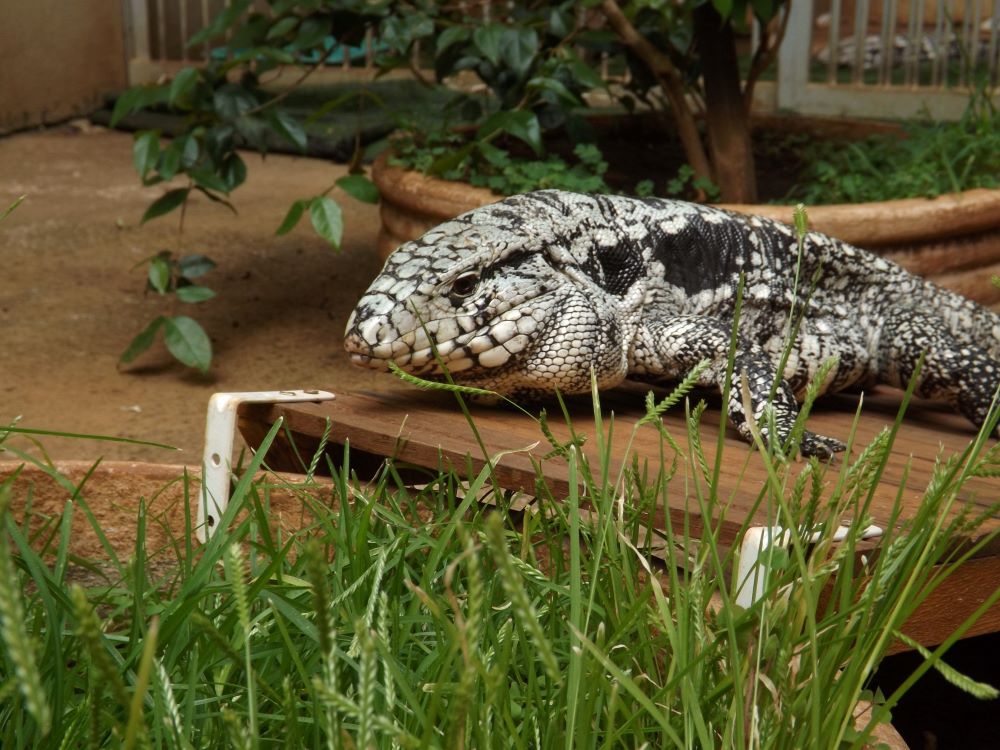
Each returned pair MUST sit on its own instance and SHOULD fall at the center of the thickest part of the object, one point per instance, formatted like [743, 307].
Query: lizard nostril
[354, 344]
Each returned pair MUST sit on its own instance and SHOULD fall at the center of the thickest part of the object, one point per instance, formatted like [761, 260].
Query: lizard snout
[367, 345]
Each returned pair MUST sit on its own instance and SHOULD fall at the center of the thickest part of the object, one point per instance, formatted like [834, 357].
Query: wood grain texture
[428, 431]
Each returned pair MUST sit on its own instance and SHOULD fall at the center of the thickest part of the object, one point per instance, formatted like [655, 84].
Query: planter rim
[421, 193]
[895, 222]
[878, 223]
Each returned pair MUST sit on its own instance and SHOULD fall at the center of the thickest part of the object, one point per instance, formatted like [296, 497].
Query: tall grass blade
[13, 628]
[136, 725]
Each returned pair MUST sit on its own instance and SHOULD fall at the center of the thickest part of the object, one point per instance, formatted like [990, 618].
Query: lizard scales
[532, 293]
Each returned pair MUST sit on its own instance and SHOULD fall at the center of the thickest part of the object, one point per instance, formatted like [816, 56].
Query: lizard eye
[464, 286]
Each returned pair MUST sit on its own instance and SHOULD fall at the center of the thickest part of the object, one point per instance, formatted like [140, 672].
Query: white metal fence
[894, 58]
[865, 58]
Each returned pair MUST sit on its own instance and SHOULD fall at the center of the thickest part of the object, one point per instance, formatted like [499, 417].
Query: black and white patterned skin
[530, 294]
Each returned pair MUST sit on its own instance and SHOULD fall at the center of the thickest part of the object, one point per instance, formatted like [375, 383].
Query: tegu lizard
[535, 292]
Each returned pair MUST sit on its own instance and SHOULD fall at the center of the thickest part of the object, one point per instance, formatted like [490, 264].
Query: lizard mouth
[359, 350]
[363, 354]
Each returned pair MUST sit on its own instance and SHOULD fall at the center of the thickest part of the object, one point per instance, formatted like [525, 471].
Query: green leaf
[271, 55]
[311, 33]
[233, 172]
[327, 219]
[254, 131]
[188, 342]
[560, 22]
[583, 73]
[399, 31]
[143, 341]
[289, 128]
[452, 159]
[725, 7]
[220, 23]
[182, 85]
[159, 274]
[208, 180]
[518, 49]
[359, 187]
[195, 265]
[136, 98]
[498, 157]
[518, 123]
[216, 199]
[292, 217]
[126, 103]
[765, 10]
[165, 204]
[170, 161]
[451, 36]
[194, 294]
[488, 40]
[232, 101]
[189, 150]
[145, 151]
[557, 87]
[644, 189]
[282, 27]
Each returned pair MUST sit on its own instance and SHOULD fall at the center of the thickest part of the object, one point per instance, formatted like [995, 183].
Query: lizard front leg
[670, 347]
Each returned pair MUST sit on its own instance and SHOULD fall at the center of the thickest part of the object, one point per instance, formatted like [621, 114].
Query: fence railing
[895, 58]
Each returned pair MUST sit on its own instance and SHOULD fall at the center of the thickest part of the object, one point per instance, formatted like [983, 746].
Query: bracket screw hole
[216, 459]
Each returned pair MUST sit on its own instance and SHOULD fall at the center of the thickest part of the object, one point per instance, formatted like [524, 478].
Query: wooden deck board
[429, 430]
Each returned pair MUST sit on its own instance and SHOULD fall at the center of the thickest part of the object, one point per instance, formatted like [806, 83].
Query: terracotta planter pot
[953, 239]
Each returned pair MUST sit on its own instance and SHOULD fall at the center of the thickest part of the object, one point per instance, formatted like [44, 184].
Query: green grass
[424, 618]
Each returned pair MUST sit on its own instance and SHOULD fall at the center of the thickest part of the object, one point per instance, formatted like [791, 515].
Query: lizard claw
[819, 445]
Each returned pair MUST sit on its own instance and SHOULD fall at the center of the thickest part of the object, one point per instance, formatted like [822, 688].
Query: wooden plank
[953, 602]
[428, 430]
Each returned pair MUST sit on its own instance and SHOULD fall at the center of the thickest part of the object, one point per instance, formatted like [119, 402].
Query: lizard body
[533, 293]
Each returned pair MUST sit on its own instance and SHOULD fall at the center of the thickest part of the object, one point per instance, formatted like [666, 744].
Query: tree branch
[763, 57]
[670, 80]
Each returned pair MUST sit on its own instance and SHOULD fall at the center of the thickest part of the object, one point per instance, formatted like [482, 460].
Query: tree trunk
[726, 117]
[660, 65]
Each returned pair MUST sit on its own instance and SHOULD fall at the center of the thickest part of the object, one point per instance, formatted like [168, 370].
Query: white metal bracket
[755, 555]
[220, 434]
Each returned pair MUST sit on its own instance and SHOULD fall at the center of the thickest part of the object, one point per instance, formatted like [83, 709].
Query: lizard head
[502, 297]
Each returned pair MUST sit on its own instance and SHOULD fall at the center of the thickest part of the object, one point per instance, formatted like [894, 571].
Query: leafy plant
[227, 108]
[485, 165]
[682, 185]
[538, 60]
[933, 158]
[184, 337]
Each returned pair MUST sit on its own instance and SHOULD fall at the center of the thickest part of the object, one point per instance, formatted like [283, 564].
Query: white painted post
[793, 56]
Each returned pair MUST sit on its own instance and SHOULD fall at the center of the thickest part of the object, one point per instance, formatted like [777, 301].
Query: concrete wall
[58, 58]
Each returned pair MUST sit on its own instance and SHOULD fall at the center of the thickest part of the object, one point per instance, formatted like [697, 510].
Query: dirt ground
[72, 294]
